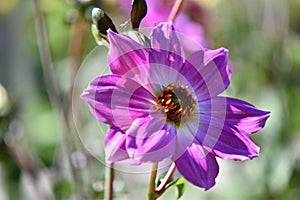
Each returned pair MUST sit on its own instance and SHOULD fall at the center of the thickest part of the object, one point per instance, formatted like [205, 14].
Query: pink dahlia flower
[161, 105]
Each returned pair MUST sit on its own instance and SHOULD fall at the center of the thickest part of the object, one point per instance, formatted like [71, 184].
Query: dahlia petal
[166, 43]
[198, 166]
[237, 113]
[125, 54]
[150, 139]
[155, 75]
[186, 135]
[160, 76]
[115, 149]
[245, 116]
[218, 59]
[226, 142]
[207, 72]
[196, 39]
[114, 145]
[226, 125]
[117, 100]
[229, 143]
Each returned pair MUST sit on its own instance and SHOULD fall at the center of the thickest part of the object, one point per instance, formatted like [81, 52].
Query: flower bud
[138, 12]
[102, 21]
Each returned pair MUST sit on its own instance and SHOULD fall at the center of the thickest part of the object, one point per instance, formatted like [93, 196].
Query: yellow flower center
[176, 102]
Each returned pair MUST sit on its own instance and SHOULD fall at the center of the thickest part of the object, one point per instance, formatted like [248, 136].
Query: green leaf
[180, 184]
[138, 12]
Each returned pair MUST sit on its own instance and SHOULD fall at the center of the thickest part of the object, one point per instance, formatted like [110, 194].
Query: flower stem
[175, 10]
[151, 191]
[161, 188]
[109, 180]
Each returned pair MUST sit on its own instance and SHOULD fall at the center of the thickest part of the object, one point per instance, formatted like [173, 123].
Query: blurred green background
[54, 150]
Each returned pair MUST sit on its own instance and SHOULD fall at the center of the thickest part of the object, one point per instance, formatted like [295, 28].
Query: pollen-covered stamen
[176, 102]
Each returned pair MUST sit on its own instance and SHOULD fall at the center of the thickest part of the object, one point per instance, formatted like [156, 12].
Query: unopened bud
[138, 12]
[102, 21]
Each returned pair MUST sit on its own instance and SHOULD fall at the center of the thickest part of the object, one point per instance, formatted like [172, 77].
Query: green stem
[175, 10]
[151, 191]
[109, 180]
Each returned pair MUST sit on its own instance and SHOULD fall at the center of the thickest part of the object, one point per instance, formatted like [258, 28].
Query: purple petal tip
[111, 33]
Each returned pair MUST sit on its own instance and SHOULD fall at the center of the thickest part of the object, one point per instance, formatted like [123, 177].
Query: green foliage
[180, 185]
[63, 189]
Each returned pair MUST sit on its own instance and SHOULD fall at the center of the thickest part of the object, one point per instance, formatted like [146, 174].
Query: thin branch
[28, 166]
[176, 7]
[52, 86]
[50, 79]
[160, 189]
[76, 42]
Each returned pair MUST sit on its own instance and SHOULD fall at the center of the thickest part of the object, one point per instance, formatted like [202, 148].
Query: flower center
[176, 102]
